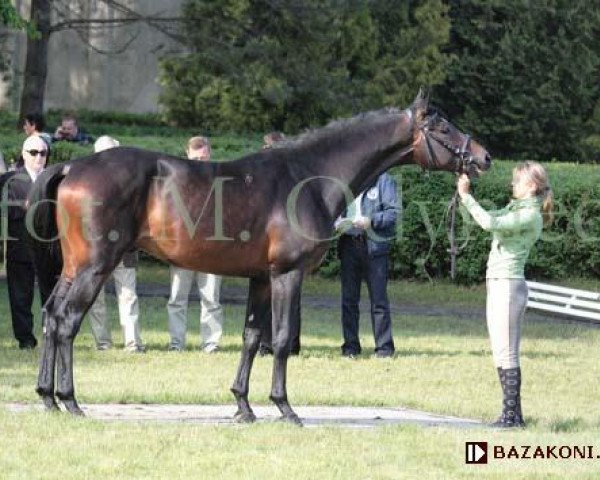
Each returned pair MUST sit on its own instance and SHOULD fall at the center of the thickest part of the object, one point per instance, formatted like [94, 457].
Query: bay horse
[268, 216]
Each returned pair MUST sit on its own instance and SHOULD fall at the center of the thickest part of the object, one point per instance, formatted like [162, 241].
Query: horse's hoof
[293, 419]
[244, 417]
[50, 404]
[73, 408]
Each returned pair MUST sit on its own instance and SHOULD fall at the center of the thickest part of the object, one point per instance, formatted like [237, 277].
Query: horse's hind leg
[80, 297]
[257, 313]
[285, 291]
[45, 386]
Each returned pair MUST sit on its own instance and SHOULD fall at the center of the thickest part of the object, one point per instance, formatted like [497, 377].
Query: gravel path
[350, 417]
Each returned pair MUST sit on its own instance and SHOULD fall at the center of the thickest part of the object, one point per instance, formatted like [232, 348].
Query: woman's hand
[364, 223]
[463, 185]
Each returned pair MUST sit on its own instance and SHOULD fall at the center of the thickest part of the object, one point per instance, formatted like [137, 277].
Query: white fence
[566, 301]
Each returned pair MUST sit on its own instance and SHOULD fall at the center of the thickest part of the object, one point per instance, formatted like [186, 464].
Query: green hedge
[60, 152]
[570, 247]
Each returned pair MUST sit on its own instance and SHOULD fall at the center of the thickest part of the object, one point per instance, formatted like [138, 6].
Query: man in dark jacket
[266, 348]
[69, 131]
[20, 276]
[368, 228]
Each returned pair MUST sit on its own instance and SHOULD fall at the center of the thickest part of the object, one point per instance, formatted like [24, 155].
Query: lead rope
[453, 250]
[4, 233]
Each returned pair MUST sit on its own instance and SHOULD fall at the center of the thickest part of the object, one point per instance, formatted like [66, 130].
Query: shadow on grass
[568, 425]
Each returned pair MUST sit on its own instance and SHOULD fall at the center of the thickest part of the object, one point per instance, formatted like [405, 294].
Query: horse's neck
[356, 165]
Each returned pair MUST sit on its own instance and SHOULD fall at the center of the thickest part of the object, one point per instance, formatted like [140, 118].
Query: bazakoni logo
[476, 452]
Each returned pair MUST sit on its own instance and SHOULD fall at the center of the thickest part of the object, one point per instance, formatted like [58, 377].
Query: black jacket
[14, 187]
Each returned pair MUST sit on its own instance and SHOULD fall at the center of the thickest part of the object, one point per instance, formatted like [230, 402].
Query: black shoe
[29, 345]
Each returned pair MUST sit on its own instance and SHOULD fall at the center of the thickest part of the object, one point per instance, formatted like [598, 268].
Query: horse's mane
[433, 110]
[336, 127]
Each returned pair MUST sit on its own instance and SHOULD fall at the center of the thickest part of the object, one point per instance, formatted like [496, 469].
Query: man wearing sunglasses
[15, 186]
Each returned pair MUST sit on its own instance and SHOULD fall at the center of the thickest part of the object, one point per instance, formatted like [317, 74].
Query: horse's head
[439, 145]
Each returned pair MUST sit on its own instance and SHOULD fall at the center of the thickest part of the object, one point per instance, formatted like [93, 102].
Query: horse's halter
[464, 157]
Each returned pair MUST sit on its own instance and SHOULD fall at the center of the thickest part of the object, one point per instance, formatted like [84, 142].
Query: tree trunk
[36, 63]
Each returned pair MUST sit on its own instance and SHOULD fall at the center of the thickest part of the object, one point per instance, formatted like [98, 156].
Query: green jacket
[515, 229]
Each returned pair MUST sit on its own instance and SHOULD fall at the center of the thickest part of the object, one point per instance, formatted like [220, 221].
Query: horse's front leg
[257, 313]
[285, 292]
[45, 385]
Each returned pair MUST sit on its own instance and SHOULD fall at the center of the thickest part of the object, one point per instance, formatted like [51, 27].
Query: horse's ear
[421, 103]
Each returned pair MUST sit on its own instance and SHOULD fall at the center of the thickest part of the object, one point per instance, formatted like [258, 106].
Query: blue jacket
[81, 138]
[381, 204]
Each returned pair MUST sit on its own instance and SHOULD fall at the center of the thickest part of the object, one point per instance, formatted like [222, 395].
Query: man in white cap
[124, 276]
[15, 186]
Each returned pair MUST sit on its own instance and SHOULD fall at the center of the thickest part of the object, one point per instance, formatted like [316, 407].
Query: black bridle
[464, 157]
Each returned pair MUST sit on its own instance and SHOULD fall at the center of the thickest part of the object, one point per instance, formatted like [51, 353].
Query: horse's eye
[445, 129]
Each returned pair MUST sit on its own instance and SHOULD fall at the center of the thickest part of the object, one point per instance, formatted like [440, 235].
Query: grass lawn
[401, 292]
[443, 365]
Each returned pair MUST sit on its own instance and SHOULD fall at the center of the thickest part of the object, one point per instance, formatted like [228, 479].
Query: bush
[570, 247]
[60, 152]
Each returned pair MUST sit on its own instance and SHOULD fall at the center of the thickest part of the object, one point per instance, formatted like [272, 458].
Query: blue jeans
[356, 266]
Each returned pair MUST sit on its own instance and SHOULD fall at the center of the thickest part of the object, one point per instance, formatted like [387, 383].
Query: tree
[255, 64]
[36, 60]
[525, 79]
[50, 16]
[9, 17]
[411, 38]
[284, 64]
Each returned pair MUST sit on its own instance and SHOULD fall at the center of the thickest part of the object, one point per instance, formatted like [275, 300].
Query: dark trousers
[357, 265]
[20, 279]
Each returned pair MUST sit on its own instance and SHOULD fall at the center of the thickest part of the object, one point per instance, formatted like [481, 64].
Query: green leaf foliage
[11, 18]
[525, 76]
[282, 64]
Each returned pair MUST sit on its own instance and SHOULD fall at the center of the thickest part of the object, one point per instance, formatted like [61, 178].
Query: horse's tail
[42, 229]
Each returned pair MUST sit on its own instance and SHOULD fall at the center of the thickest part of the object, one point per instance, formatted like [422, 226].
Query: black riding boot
[510, 379]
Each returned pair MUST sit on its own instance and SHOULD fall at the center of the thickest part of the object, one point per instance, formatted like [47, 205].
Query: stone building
[113, 69]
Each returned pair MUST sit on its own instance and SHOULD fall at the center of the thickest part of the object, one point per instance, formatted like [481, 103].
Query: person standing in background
[266, 347]
[125, 286]
[20, 276]
[33, 124]
[209, 286]
[367, 229]
[69, 131]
